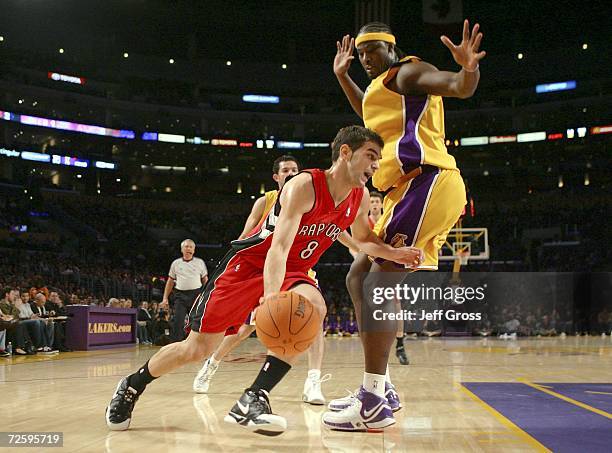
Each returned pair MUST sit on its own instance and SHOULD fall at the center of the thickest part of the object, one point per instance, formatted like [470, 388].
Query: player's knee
[351, 280]
[350, 275]
[348, 279]
[356, 271]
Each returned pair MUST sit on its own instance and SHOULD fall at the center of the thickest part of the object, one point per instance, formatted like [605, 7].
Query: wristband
[467, 70]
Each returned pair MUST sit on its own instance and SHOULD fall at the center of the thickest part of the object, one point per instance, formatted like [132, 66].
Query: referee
[186, 276]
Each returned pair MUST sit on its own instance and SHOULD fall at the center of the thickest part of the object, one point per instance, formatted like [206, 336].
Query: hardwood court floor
[69, 392]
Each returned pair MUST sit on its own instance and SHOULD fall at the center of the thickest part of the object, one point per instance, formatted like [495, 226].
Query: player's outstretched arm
[371, 244]
[423, 78]
[296, 199]
[342, 63]
[256, 212]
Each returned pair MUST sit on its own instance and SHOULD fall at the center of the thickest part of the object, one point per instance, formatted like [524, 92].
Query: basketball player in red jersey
[313, 209]
[283, 167]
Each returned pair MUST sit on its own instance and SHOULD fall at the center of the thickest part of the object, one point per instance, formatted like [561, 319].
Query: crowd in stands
[32, 321]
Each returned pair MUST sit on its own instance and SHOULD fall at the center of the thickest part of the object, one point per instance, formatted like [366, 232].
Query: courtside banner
[91, 327]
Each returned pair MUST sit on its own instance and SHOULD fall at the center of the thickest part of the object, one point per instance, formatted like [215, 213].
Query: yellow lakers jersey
[411, 126]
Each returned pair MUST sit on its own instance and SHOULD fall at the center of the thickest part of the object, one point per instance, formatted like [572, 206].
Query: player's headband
[386, 37]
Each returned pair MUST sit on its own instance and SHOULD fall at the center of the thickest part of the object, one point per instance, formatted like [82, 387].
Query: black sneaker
[401, 355]
[119, 410]
[253, 412]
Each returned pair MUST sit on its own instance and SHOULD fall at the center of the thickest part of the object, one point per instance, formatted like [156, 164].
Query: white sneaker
[202, 379]
[312, 393]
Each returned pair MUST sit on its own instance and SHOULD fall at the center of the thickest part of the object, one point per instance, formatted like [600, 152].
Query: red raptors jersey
[318, 229]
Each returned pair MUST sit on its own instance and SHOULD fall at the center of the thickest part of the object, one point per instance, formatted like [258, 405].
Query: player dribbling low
[282, 168]
[312, 211]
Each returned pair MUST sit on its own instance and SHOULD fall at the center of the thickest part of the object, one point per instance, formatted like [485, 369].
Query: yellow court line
[597, 393]
[506, 422]
[567, 399]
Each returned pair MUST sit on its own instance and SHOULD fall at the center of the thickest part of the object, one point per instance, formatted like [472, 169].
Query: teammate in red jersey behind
[312, 210]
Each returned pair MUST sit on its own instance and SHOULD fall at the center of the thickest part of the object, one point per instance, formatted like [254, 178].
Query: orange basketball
[288, 323]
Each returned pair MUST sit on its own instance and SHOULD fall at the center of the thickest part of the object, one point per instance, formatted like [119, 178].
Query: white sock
[314, 374]
[214, 361]
[388, 376]
[374, 383]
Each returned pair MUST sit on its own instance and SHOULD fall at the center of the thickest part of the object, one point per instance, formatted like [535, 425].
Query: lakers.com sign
[109, 327]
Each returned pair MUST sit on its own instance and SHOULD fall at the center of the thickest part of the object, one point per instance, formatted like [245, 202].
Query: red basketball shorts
[232, 293]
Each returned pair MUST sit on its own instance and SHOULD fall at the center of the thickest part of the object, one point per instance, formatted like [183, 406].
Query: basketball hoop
[463, 257]
[463, 244]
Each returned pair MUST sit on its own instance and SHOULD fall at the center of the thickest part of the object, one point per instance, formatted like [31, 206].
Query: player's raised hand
[466, 53]
[411, 257]
[344, 55]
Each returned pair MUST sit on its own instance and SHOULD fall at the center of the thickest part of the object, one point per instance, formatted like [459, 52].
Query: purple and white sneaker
[339, 404]
[367, 412]
[392, 397]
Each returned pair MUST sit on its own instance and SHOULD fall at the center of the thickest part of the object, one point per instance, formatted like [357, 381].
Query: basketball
[288, 323]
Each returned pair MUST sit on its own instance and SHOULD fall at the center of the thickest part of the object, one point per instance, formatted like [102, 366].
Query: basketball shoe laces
[208, 374]
[261, 405]
[318, 382]
[127, 400]
[352, 395]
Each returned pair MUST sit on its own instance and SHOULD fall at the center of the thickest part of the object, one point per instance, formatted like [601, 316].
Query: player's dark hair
[354, 137]
[379, 27]
[285, 158]
[374, 194]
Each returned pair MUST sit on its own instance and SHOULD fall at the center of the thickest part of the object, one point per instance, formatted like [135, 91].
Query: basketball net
[461, 259]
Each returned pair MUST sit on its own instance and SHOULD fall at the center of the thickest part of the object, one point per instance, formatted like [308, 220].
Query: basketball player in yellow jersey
[282, 168]
[425, 191]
